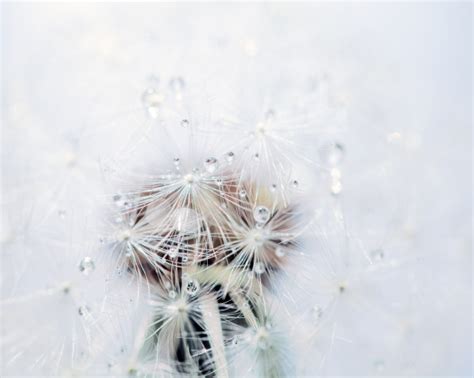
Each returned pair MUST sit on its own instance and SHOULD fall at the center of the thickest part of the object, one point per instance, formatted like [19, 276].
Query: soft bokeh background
[399, 76]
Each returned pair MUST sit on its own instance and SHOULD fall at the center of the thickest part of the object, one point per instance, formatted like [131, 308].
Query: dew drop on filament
[261, 214]
[332, 154]
[192, 287]
[211, 164]
[259, 267]
[87, 265]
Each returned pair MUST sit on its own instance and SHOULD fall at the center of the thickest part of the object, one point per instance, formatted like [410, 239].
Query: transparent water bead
[377, 255]
[185, 123]
[269, 115]
[332, 153]
[177, 84]
[173, 253]
[336, 187]
[62, 214]
[316, 313]
[83, 310]
[259, 267]
[186, 221]
[280, 251]
[152, 101]
[211, 164]
[172, 294]
[192, 287]
[230, 157]
[261, 214]
[87, 265]
[295, 184]
[242, 193]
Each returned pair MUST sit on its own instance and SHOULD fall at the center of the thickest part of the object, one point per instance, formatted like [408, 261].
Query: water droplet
[261, 214]
[295, 184]
[211, 164]
[186, 220]
[62, 213]
[273, 188]
[192, 287]
[332, 153]
[280, 251]
[83, 310]
[176, 161]
[235, 340]
[259, 267]
[177, 84]
[316, 312]
[185, 123]
[242, 193]
[152, 100]
[220, 182]
[377, 255]
[269, 115]
[256, 157]
[379, 365]
[173, 253]
[336, 187]
[336, 173]
[230, 157]
[185, 259]
[172, 294]
[87, 265]
[263, 342]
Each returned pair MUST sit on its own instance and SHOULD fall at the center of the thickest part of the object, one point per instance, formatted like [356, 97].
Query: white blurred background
[401, 73]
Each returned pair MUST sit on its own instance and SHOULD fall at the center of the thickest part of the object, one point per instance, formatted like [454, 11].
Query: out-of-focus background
[398, 78]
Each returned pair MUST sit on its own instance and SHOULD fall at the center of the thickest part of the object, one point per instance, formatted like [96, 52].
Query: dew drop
[269, 115]
[86, 266]
[173, 253]
[172, 294]
[186, 220]
[379, 365]
[152, 100]
[261, 214]
[336, 187]
[256, 157]
[177, 84]
[185, 123]
[242, 193]
[83, 310]
[176, 161]
[273, 188]
[259, 267]
[295, 184]
[332, 153]
[377, 255]
[211, 164]
[316, 312]
[230, 157]
[280, 252]
[192, 287]
[62, 213]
